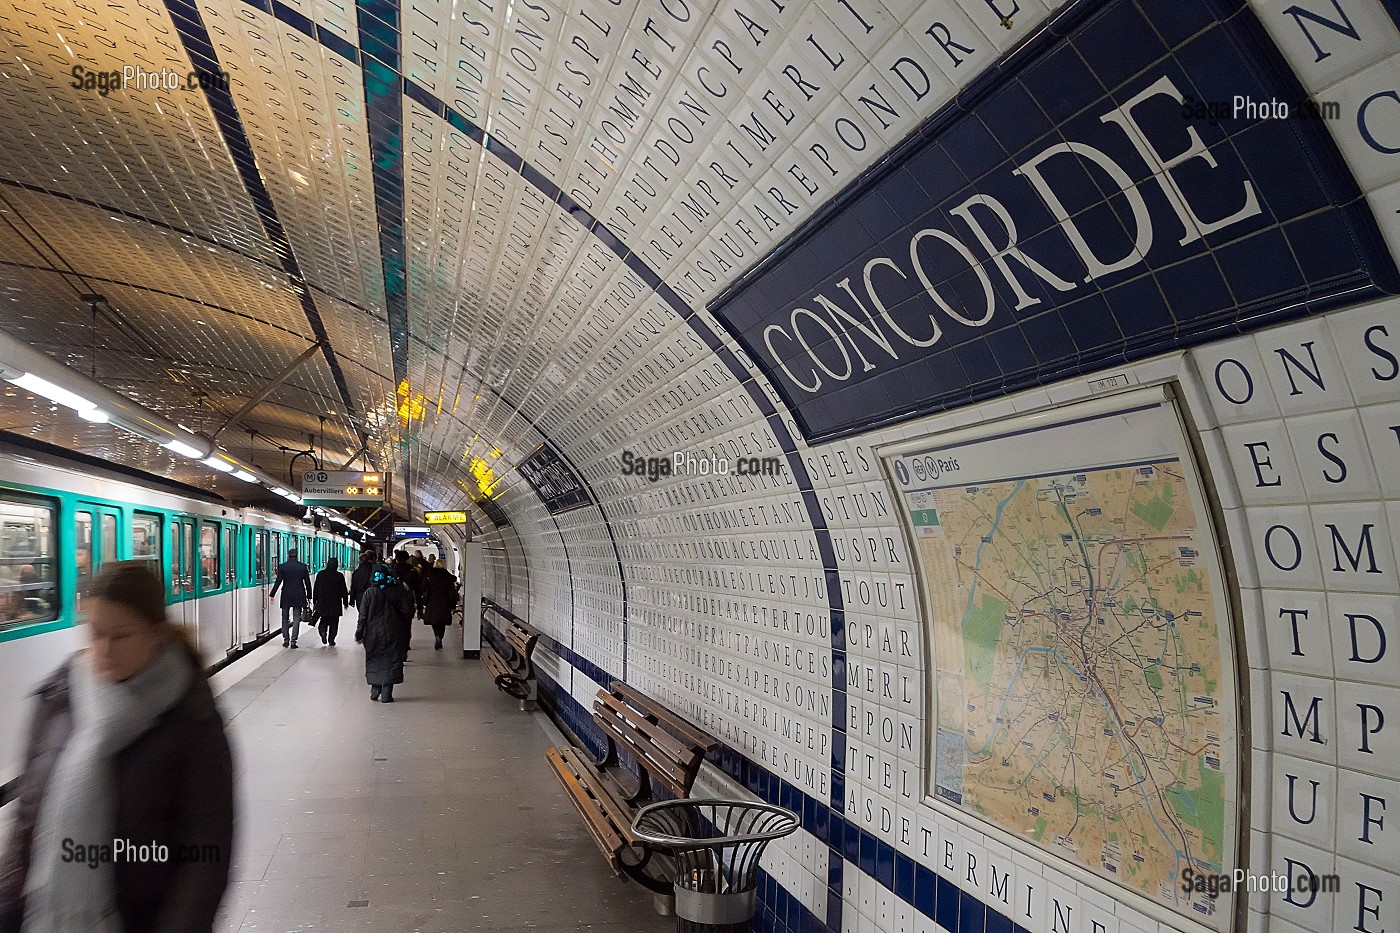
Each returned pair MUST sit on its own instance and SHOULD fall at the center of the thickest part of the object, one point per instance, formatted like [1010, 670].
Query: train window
[145, 541]
[186, 556]
[231, 554]
[28, 591]
[208, 556]
[259, 556]
[82, 522]
[109, 539]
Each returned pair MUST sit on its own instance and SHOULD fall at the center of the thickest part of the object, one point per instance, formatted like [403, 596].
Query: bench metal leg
[528, 702]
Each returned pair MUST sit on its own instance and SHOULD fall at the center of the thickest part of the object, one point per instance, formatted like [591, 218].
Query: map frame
[1155, 416]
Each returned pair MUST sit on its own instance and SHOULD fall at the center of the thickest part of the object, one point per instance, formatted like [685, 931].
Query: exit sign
[344, 487]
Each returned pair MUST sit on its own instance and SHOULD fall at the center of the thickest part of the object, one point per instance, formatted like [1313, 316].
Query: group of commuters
[387, 596]
[126, 743]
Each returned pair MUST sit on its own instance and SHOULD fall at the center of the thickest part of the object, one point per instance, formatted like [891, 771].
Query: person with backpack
[386, 617]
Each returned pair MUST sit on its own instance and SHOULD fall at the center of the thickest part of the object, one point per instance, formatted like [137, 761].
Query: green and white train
[60, 521]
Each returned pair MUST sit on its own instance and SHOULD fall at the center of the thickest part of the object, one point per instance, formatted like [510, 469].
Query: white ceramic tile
[1305, 800]
[1368, 722]
[1365, 632]
[1381, 425]
[1263, 463]
[1366, 831]
[1326, 42]
[1235, 381]
[1285, 547]
[1333, 456]
[1303, 368]
[1310, 911]
[1296, 623]
[1367, 340]
[1368, 899]
[1385, 204]
[1367, 129]
[1304, 716]
[1355, 547]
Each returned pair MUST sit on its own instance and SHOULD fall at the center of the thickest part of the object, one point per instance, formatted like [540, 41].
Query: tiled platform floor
[436, 813]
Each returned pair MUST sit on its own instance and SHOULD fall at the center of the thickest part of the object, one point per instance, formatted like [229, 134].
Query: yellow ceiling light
[483, 474]
[411, 405]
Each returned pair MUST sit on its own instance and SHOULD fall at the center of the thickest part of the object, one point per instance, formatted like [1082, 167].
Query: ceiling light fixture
[185, 450]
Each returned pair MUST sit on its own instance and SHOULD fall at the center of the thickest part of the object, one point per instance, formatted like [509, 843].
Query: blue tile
[997, 923]
[1063, 84]
[867, 853]
[884, 864]
[1179, 20]
[925, 891]
[949, 902]
[972, 148]
[1118, 43]
[972, 915]
[1260, 266]
[1013, 117]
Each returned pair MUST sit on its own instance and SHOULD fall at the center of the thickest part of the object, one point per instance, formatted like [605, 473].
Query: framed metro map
[1083, 675]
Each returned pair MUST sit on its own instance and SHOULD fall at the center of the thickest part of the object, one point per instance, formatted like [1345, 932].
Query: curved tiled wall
[784, 614]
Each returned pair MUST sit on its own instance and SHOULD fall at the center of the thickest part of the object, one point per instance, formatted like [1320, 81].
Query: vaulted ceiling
[467, 205]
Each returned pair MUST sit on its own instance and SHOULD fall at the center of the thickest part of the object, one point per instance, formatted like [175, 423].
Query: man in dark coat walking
[386, 614]
[294, 579]
[329, 597]
[439, 599]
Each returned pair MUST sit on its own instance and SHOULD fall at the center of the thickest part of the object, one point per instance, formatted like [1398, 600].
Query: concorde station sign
[1085, 206]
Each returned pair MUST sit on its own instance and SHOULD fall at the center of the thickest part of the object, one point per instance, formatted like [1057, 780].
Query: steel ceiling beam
[268, 389]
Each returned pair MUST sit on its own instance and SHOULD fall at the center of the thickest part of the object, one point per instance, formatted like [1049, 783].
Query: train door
[231, 582]
[183, 568]
[214, 601]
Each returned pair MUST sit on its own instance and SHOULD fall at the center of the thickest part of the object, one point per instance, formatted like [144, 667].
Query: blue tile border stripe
[384, 126]
[194, 36]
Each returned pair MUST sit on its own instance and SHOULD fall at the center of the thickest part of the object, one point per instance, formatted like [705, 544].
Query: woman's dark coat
[386, 617]
[174, 786]
[439, 596]
[330, 596]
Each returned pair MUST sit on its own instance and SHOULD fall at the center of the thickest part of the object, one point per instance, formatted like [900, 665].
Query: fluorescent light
[245, 476]
[218, 463]
[280, 491]
[95, 415]
[185, 450]
[54, 393]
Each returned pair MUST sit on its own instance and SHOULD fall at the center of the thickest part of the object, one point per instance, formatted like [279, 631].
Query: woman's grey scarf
[80, 803]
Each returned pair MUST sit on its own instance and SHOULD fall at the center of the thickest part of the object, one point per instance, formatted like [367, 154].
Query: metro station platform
[436, 813]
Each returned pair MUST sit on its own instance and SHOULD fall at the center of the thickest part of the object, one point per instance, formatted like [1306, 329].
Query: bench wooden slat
[662, 754]
[684, 728]
[495, 664]
[598, 812]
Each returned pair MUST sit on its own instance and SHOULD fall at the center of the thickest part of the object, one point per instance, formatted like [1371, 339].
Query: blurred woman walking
[125, 744]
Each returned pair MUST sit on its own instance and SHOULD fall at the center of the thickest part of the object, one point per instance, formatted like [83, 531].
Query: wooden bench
[514, 673]
[668, 752]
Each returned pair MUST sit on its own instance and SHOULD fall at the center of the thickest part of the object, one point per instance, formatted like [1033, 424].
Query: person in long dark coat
[329, 596]
[386, 617]
[126, 743]
[439, 599]
[363, 576]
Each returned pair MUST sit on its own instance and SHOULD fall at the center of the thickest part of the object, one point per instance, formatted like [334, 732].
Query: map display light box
[1082, 686]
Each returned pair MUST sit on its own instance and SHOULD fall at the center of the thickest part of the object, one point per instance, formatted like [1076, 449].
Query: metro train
[61, 520]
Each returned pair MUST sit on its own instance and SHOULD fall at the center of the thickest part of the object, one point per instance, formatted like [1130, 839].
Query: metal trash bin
[717, 845]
